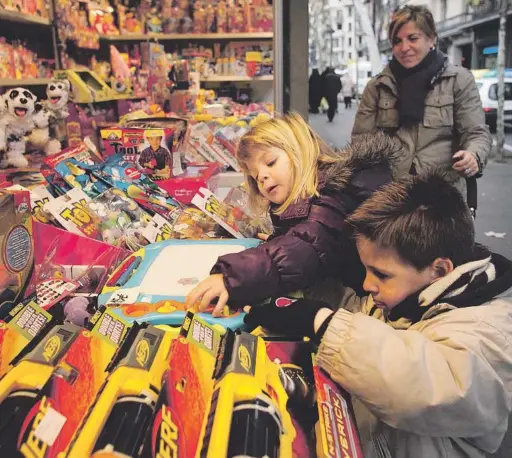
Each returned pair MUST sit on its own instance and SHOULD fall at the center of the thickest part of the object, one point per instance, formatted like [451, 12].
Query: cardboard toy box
[16, 246]
[152, 144]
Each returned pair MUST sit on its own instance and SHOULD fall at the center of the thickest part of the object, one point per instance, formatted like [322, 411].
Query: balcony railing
[485, 9]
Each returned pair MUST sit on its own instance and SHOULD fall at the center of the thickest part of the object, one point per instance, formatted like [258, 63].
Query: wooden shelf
[14, 16]
[7, 82]
[232, 78]
[189, 36]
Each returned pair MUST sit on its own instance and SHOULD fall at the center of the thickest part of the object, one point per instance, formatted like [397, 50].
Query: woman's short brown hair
[419, 14]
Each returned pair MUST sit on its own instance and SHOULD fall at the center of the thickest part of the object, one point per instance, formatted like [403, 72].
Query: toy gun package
[47, 395]
[118, 420]
[240, 411]
[18, 328]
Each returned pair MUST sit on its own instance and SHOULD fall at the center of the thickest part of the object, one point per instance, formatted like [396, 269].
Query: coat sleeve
[450, 380]
[285, 263]
[366, 117]
[469, 118]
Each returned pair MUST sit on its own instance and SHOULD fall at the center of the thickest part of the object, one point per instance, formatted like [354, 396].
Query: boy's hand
[302, 317]
[206, 292]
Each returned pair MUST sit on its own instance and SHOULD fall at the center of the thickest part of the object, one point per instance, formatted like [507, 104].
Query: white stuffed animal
[54, 110]
[16, 121]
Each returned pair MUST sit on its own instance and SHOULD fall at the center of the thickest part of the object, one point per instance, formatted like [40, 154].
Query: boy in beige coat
[427, 356]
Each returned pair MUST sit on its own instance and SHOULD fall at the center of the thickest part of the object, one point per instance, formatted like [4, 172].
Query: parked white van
[488, 88]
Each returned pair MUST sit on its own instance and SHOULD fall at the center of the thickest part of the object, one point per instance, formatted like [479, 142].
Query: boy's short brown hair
[421, 217]
[419, 14]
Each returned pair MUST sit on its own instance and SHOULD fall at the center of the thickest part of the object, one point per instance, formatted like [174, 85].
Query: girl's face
[271, 169]
[411, 45]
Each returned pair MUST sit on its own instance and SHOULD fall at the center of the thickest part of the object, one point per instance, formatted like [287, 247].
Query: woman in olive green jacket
[427, 104]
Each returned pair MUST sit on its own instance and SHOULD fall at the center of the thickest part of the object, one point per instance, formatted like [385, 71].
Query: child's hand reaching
[206, 292]
[302, 317]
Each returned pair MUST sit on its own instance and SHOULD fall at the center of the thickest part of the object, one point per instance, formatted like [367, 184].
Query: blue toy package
[124, 175]
[151, 285]
[76, 167]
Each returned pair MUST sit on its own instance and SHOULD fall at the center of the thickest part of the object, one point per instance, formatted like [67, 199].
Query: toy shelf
[15, 16]
[7, 82]
[190, 36]
[233, 78]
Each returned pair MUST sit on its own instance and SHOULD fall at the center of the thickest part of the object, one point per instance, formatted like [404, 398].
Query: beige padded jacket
[439, 388]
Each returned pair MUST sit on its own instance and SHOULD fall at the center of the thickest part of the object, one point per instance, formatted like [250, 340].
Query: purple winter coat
[311, 240]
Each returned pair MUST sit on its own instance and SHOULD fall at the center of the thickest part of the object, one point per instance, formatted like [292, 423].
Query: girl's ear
[441, 267]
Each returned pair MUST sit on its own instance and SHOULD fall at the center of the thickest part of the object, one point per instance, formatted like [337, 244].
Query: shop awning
[491, 50]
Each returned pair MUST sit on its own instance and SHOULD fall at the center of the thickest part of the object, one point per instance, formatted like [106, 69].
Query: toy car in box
[151, 285]
[152, 144]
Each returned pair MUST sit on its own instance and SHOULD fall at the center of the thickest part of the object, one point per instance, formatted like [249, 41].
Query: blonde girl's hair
[419, 14]
[305, 149]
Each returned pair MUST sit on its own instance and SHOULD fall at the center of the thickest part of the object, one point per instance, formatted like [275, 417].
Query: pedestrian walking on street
[431, 107]
[347, 90]
[315, 91]
[332, 89]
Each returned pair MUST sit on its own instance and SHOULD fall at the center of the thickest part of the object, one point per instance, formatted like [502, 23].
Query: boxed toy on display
[113, 167]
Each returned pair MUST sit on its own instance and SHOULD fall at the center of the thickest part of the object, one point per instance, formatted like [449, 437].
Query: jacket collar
[471, 284]
[387, 78]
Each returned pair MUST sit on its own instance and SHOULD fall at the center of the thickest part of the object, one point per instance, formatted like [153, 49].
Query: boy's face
[155, 142]
[271, 169]
[388, 278]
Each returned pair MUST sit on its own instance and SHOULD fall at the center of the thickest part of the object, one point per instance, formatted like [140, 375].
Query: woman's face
[411, 45]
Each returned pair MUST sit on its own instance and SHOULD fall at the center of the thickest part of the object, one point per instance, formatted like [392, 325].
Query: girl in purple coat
[309, 190]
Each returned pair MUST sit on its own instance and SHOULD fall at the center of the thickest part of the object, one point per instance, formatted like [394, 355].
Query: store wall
[295, 56]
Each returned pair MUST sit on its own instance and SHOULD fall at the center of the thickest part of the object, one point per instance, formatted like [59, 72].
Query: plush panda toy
[16, 121]
[54, 110]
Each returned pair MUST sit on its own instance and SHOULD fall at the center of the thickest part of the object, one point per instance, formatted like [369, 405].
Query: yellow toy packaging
[118, 420]
[240, 411]
[17, 329]
[16, 246]
[22, 405]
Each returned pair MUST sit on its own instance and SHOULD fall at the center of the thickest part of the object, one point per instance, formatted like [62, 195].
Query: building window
[350, 26]
[335, 43]
[349, 56]
[339, 25]
[349, 41]
[349, 11]
[360, 40]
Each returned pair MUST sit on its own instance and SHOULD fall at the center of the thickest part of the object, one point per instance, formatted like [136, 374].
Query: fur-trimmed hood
[364, 152]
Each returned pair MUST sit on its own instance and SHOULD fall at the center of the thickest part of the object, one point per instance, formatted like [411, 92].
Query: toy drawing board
[151, 285]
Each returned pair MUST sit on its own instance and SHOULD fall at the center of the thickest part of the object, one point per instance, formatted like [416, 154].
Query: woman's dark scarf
[414, 84]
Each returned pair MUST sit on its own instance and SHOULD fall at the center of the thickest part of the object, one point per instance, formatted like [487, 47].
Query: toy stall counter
[16, 245]
[151, 285]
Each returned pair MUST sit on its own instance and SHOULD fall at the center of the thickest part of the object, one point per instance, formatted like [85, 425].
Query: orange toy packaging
[153, 145]
[16, 244]
[44, 421]
[222, 396]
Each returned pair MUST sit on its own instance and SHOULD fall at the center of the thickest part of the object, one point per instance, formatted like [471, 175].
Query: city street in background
[493, 214]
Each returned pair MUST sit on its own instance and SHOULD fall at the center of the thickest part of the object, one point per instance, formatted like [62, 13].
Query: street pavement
[494, 202]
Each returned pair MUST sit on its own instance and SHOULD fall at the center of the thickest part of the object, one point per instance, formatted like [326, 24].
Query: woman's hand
[465, 163]
[206, 291]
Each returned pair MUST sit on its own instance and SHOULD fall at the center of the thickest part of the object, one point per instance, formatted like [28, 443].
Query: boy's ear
[441, 267]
